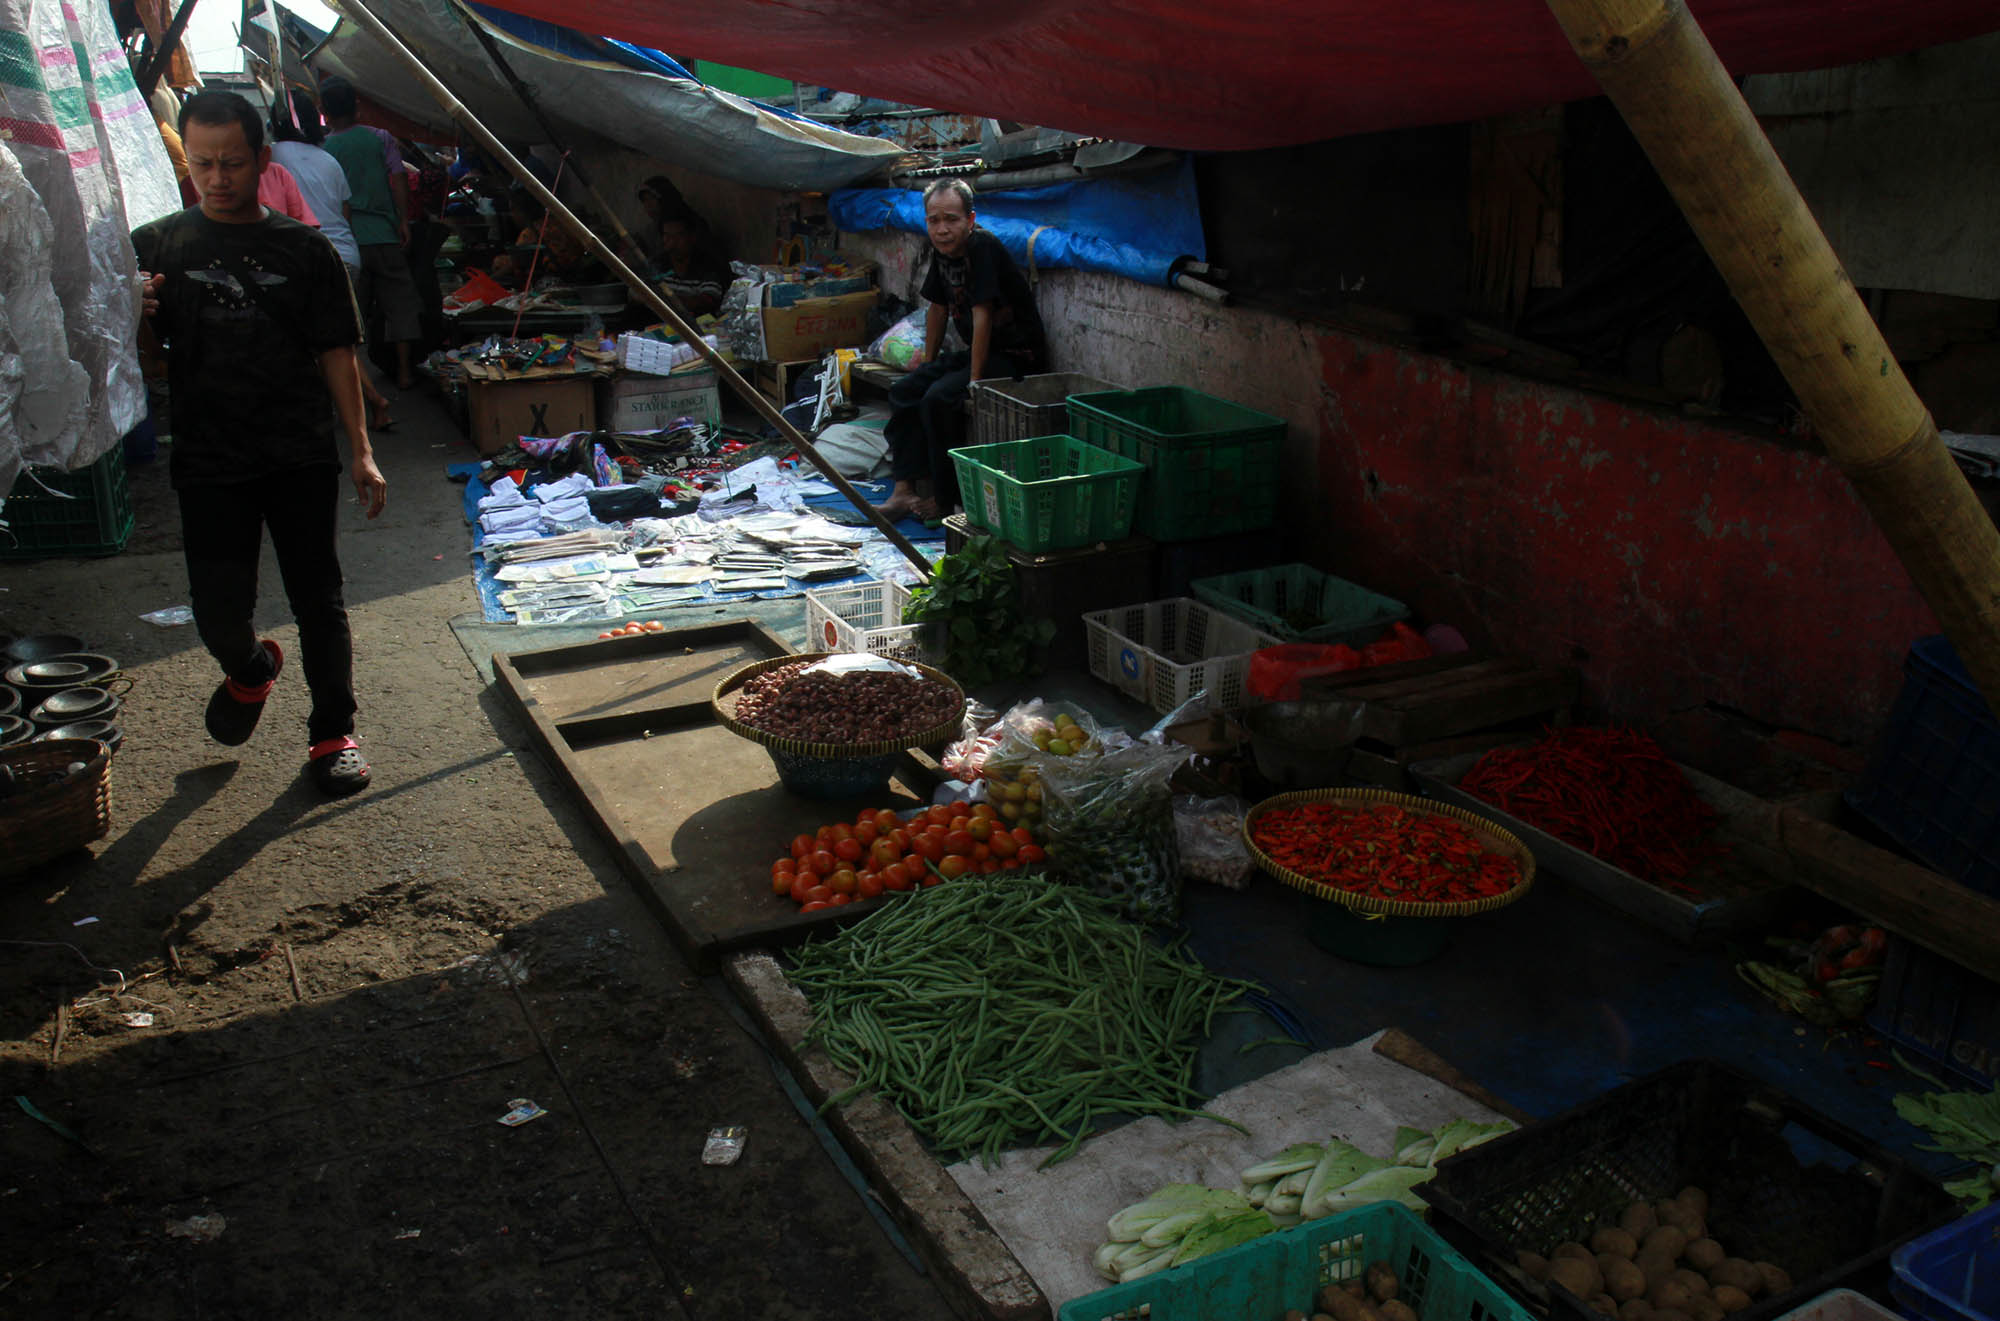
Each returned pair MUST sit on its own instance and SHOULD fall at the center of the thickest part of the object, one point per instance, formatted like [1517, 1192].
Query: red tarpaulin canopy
[1215, 75]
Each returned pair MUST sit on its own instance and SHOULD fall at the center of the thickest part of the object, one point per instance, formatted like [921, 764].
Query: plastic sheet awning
[1200, 75]
[628, 95]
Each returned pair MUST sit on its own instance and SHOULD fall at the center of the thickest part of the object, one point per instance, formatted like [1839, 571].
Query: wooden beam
[1944, 916]
[1658, 68]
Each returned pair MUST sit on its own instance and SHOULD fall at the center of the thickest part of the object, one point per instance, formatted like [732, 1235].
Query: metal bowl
[72, 669]
[42, 646]
[13, 729]
[102, 731]
[74, 704]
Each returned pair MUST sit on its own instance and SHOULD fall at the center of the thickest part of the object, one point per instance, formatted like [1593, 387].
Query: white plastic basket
[863, 617]
[1164, 652]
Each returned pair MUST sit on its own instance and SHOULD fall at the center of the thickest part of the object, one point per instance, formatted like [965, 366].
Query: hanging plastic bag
[1109, 818]
[1210, 834]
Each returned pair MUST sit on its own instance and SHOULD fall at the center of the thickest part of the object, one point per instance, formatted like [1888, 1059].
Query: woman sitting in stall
[693, 273]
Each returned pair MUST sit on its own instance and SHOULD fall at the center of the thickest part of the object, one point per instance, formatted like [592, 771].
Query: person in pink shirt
[277, 189]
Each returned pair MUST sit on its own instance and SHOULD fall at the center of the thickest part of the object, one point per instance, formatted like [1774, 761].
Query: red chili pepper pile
[1610, 792]
[1385, 851]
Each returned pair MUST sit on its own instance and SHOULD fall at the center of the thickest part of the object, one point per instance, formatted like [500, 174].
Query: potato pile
[1370, 1296]
[1657, 1263]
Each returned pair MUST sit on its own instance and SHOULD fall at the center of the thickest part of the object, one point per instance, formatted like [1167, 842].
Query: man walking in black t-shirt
[974, 285]
[260, 328]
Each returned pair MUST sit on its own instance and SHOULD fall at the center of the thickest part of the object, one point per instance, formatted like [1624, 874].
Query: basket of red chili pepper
[1388, 853]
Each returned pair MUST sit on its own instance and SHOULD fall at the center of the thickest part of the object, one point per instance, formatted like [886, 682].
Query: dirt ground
[346, 996]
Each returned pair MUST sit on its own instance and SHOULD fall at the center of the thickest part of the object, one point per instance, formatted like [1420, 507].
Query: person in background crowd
[430, 187]
[693, 273]
[295, 145]
[279, 190]
[973, 285]
[260, 328]
[661, 199]
[380, 228]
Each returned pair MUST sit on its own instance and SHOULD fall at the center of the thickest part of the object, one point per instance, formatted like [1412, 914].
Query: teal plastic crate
[1300, 604]
[1212, 465]
[1265, 1277]
[53, 513]
[1048, 492]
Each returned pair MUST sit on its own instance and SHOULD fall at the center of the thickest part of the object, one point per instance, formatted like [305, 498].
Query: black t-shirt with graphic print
[986, 274]
[248, 397]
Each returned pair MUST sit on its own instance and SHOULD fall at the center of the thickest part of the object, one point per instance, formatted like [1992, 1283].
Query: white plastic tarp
[81, 164]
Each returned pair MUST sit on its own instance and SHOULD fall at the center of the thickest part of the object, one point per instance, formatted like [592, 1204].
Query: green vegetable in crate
[971, 595]
[1965, 1125]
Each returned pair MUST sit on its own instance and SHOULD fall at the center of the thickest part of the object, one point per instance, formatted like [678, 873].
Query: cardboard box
[635, 401]
[503, 411]
[790, 286]
[811, 328]
[775, 378]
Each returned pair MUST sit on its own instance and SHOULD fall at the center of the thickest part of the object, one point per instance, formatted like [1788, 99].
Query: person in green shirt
[379, 223]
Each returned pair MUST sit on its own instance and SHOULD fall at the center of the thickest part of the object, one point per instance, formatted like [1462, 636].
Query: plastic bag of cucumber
[1109, 817]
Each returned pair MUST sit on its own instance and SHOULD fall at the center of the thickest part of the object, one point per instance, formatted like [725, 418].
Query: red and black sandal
[338, 767]
[234, 709]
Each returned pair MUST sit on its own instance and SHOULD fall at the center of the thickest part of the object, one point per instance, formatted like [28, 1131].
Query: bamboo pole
[358, 10]
[1658, 68]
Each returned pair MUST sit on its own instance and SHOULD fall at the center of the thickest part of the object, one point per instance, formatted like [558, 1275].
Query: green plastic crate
[1049, 492]
[92, 515]
[1281, 600]
[1213, 465]
[1265, 1277]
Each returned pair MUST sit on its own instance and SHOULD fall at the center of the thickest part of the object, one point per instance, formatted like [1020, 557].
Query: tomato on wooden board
[803, 845]
[781, 884]
[901, 839]
[886, 821]
[1022, 835]
[802, 885]
[1004, 845]
[896, 878]
[930, 846]
[786, 864]
[819, 893]
[839, 899]
[960, 842]
[848, 850]
[989, 866]
[1032, 853]
[871, 885]
[979, 828]
[1012, 864]
[913, 863]
[825, 863]
[954, 867]
[815, 906]
[883, 852]
[865, 832]
[985, 812]
[843, 881]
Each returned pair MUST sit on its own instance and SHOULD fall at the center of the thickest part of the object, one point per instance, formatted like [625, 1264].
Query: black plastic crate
[1033, 406]
[51, 512]
[1786, 1184]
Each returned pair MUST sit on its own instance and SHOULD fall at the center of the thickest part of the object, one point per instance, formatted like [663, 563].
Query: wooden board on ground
[694, 813]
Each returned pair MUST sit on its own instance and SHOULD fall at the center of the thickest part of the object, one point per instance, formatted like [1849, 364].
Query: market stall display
[883, 851]
[836, 724]
[1776, 1227]
[1743, 870]
[1402, 863]
[1002, 1011]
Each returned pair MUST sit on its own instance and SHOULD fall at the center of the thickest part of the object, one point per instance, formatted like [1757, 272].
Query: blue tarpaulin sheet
[1135, 225]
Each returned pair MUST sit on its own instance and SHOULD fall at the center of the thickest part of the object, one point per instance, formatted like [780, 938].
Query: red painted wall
[1678, 564]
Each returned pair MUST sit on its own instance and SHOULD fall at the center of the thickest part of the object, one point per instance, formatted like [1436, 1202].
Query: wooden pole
[528, 99]
[156, 63]
[1657, 67]
[358, 10]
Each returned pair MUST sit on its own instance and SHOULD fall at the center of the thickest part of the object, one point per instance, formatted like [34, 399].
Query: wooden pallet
[1444, 706]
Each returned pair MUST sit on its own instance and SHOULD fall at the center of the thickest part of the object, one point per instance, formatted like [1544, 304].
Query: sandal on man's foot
[338, 767]
[234, 709]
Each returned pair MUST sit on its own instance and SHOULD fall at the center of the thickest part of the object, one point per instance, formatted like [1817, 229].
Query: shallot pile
[865, 707]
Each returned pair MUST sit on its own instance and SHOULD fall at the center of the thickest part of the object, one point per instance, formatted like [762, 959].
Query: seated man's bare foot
[896, 506]
[926, 509]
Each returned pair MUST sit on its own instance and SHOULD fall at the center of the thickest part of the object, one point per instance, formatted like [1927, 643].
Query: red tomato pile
[879, 851]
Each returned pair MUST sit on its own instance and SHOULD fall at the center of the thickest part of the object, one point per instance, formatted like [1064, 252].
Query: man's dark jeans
[927, 424]
[222, 529]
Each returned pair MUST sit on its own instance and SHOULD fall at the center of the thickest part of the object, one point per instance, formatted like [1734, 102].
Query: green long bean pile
[1001, 1011]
